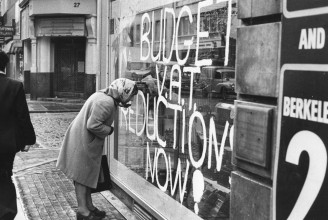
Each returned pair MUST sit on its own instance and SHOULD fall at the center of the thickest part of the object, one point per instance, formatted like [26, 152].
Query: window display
[178, 133]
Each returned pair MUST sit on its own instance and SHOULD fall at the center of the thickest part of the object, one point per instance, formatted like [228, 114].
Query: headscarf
[121, 90]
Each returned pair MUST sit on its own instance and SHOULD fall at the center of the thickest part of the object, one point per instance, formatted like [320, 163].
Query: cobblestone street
[44, 191]
[50, 127]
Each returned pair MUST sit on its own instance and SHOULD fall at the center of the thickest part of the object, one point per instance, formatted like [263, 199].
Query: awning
[8, 46]
[13, 46]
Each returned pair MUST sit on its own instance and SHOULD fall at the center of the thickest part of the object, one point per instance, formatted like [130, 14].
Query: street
[44, 191]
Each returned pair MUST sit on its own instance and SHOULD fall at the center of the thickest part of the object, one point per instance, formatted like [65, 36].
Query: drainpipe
[108, 42]
[98, 53]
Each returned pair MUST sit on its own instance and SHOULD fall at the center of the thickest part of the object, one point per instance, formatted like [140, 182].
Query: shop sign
[6, 31]
[300, 180]
[60, 27]
[78, 7]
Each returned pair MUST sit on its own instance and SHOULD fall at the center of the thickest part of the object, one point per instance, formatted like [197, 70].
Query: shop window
[178, 129]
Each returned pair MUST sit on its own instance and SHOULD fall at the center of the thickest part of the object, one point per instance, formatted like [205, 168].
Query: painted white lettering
[124, 112]
[325, 112]
[212, 142]
[166, 11]
[176, 68]
[183, 127]
[148, 164]
[192, 71]
[320, 117]
[226, 58]
[203, 34]
[178, 177]
[306, 109]
[130, 110]
[299, 108]
[292, 107]
[303, 40]
[198, 163]
[222, 145]
[163, 100]
[144, 36]
[186, 43]
[312, 38]
[307, 114]
[286, 111]
[155, 58]
[163, 188]
[160, 88]
[321, 38]
[314, 110]
[198, 188]
[151, 137]
[231, 137]
[175, 108]
[141, 131]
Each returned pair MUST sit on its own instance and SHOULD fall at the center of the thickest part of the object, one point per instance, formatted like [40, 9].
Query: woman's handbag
[104, 182]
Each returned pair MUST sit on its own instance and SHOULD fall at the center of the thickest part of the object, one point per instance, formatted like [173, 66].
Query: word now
[312, 38]
[306, 109]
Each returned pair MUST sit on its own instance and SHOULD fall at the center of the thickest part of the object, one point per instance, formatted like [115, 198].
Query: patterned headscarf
[121, 90]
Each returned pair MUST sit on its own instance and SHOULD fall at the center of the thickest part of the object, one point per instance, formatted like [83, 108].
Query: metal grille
[141, 213]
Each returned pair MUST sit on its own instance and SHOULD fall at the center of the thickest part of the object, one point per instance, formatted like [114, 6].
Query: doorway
[69, 67]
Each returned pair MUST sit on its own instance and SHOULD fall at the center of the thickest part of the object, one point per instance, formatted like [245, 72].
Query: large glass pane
[177, 134]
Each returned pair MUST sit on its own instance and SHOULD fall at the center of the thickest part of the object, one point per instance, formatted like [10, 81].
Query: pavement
[43, 192]
[53, 105]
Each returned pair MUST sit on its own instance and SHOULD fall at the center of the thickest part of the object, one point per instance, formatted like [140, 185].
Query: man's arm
[26, 133]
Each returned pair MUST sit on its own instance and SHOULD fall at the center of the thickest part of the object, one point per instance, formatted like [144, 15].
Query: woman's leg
[89, 199]
[92, 208]
[81, 196]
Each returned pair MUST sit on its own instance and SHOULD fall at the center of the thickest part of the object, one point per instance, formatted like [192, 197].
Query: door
[70, 65]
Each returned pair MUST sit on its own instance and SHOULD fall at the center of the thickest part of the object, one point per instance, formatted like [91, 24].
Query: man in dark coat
[16, 131]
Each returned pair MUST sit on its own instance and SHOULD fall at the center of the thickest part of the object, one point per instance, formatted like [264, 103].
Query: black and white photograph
[163, 110]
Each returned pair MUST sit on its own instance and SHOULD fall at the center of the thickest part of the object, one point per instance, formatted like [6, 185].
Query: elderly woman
[82, 147]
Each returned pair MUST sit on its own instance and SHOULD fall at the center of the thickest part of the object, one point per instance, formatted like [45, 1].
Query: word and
[312, 38]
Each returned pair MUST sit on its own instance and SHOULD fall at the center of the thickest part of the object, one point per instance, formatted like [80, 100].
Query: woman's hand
[111, 130]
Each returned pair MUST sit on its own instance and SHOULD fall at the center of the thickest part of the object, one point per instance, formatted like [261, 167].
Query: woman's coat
[82, 147]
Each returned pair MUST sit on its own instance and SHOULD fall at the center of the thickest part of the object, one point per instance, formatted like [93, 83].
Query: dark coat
[16, 129]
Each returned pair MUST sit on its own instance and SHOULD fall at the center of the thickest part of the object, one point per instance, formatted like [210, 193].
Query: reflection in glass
[182, 118]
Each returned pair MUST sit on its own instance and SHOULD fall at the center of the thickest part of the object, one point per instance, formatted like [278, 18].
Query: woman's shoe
[91, 216]
[98, 213]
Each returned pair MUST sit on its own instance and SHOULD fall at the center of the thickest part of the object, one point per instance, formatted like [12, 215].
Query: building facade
[11, 43]
[59, 38]
[199, 140]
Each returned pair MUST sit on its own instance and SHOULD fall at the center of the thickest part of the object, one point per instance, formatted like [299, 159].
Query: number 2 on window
[76, 4]
[314, 146]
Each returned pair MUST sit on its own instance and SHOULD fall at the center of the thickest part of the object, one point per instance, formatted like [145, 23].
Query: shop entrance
[69, 67]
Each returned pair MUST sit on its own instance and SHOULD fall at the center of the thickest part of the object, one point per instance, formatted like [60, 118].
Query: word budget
[145, 43]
